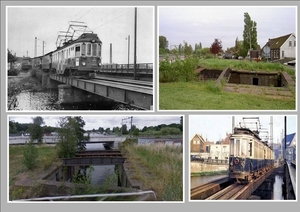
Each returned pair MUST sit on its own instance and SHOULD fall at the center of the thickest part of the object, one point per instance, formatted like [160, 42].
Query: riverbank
[24, 81]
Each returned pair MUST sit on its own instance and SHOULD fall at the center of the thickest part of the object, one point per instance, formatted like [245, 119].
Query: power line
[112, 19]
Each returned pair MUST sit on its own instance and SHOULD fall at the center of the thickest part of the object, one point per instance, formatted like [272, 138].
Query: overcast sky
[215, 128]
[205, 23]
[112, 24]
[106, 121]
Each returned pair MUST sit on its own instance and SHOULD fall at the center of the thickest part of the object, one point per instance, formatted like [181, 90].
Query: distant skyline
[105, 121]
[195, 24]
[215, 127]
[111, 24]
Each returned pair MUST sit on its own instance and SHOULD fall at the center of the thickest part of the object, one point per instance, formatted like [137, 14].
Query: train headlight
[99, 64]
[83, 63]
[236, 161]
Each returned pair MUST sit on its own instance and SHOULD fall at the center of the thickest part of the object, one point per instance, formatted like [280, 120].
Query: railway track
[206, 190]
[227, 193]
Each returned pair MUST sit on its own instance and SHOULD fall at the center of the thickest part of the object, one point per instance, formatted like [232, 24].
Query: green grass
[159, 167]
[202, 96]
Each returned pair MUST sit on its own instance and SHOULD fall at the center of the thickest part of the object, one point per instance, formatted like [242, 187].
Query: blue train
[249, 156]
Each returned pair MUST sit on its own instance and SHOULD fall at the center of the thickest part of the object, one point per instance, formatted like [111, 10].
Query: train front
[88, 54]
[239, 157]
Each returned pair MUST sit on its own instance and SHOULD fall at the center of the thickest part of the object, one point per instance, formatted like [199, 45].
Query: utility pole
[43, 47]
[128, 39]
[35, 46]
[135, 21]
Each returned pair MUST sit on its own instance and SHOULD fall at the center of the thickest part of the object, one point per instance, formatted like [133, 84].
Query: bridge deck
[125, 91]
[95, 158]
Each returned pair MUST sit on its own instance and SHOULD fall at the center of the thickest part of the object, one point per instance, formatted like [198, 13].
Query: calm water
[47, 100]
[277, 189]
[100, 173]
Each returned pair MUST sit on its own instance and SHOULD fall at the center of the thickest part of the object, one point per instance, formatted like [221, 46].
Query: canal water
[47, 100]
[100, 173]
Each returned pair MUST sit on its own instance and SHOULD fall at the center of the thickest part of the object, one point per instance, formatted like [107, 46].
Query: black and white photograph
[80, 58]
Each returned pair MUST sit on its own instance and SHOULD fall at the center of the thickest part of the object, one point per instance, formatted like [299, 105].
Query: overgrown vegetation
[158, 166]
[184, 70]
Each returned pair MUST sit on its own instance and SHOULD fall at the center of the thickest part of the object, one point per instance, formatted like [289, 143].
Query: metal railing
[74, 197]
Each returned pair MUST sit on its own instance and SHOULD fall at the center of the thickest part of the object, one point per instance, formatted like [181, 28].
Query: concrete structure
[282, 47]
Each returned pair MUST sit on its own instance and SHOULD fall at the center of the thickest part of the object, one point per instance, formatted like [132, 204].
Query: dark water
[47, 100]
[100, 173]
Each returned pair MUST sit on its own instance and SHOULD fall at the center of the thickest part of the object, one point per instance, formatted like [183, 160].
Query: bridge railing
[141, 68]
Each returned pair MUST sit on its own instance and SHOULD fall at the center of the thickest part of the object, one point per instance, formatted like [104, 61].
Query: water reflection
[100, 173]
[36, 100]
[277, 189]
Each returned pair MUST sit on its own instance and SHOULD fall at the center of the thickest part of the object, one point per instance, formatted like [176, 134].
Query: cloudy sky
[105, 121]
[112, 24]
[215, 128]
[204, 23]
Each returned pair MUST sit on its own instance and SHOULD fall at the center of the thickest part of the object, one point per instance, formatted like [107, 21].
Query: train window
[237, 148]
[94, 49]
[89, 49]
[231, 148]
[83, 49]
[244, 147]
[99, 50]
[250, 149]
[77, 51]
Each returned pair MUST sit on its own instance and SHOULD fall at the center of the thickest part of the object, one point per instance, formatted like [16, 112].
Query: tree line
[240, 49]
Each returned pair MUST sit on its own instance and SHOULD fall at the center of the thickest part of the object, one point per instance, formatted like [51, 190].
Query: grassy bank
[204, 96]
[198, 174]
[47, 159]
[159, 168]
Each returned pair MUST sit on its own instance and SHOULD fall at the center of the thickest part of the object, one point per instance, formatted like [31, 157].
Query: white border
[226, 6]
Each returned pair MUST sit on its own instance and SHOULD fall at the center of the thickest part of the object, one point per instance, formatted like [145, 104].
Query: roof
[276, 43]
[289, 139]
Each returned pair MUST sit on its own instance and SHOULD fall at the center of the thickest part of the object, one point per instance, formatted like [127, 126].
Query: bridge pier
[47, 82]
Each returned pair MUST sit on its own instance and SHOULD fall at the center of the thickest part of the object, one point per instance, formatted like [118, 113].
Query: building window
[282, 54]
[290, 43]
[294, 43]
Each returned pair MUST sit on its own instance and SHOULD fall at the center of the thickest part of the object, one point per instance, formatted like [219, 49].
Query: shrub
[30, 155]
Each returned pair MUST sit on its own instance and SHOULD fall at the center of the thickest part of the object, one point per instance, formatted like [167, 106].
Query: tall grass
[159, 167]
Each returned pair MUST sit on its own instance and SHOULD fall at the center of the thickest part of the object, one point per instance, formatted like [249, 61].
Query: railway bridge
[117, 83]
[227, 189]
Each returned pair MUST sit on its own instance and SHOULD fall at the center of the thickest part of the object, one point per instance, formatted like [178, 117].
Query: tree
[35, 129]
[71, 136]
[124, 130]
[249, 33]
[163, 44]
[216, 46]
[11, 58]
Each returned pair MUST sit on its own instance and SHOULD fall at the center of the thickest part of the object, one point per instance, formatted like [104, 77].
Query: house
[197, 144]
[290, 147]
[280, 47]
